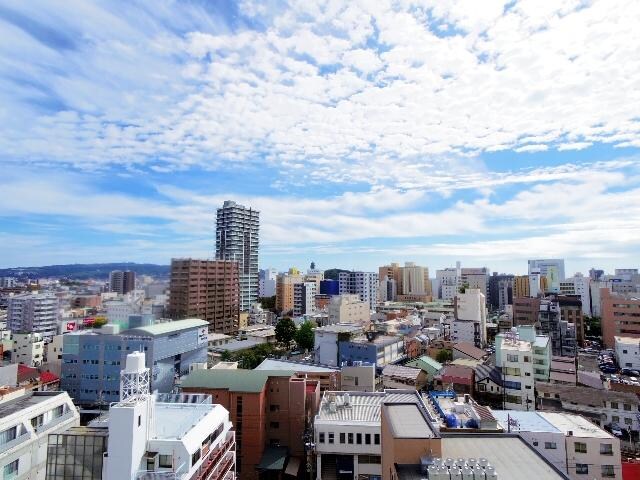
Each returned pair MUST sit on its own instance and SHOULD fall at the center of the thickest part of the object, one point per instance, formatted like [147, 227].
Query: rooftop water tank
[483, 461]
[134, 363]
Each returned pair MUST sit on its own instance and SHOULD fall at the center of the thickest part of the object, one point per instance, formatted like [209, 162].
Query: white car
[616, 430]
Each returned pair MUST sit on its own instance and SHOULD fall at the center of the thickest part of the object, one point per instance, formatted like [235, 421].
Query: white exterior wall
[348, 309]
[593, 458]
[364, 284]
[627, 352]
[539, 440]
[358, 378]
[463, 331]
[524, 373]
[30, 445]
[325, 345]
[28, 349]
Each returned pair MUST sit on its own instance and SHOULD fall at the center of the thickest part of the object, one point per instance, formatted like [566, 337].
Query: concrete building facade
[620, 316]
[33, 312]
[364, 284]
[122, 281]
[348, 309]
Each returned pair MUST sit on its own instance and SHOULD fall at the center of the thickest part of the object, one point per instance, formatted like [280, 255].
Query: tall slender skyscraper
[237, 238]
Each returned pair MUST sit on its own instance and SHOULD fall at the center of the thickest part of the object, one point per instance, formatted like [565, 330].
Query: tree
[444, 356]
[268, 303]
[285, 330]
[304, 337]
[226, 356]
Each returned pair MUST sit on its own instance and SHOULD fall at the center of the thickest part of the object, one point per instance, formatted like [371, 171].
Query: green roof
[252, 381]
[273, 458]
[169, 327]
[425, 363]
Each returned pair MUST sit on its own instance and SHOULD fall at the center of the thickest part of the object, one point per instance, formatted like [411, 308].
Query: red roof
[456, 374]
[48, 377]
[26, 373]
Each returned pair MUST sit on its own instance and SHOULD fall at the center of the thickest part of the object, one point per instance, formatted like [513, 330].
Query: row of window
[605, 448]
[348, 438]
[605, 470]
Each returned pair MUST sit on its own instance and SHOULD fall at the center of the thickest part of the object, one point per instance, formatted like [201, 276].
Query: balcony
[217, 462]
[15, 442]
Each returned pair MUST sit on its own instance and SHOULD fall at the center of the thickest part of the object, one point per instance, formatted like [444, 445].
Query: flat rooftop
[176, 419]
[272, 364]
[527, 421]
[578, 425]
[509, 454]
[408, 421]
[167, 327]
[339, 328]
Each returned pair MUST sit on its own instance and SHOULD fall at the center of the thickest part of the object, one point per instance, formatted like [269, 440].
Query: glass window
[627, 407]
[350, 438]
[550, 445]
[606, 449]
[608, 471]
[342, 436]
[321, 437]
[628, 421]
[614, 405]
[331, 437]
[582, 469]
[376, 438]
[195, 457]
[8, 435]
[367, 439]
[10, 470]
[274, 408]
[165, 461]
[274, 424]
[359, 438]
[580, 447]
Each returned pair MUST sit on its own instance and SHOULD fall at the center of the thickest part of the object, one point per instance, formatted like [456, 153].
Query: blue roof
[529, 421]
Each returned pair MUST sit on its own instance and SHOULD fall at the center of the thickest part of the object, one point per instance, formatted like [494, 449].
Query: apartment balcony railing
[15, 442]
[213, 464]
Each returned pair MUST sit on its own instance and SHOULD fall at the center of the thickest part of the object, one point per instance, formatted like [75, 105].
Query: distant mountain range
[83, 271]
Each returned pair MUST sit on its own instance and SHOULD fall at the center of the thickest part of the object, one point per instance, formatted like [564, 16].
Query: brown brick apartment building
[620, 316]
[270, 411]
[206, 289]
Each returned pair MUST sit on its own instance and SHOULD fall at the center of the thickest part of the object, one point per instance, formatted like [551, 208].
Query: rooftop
[339, 328]
[362, 406]
[26, 401]
[470, 350]
[178, 418]
[237, 345]
[168, 327]
[627, 340]
[585, 395]
[457, 371]
[251, 381]
[425, 363]
[408, 421]
[527, 421]
[378, 340]
[273, 364]
[399, 371]
[576, 424]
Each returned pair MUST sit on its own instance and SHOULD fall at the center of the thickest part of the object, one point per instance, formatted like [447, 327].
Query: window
[37, 421]
[614, 405]
[8, 435]
[195, 457]
[331, 437]
[376, 438]
[580, 447]
[139, 420]
[582, 469]
[165, 461]
[628, 421]
[627, 407]
[274, 408]
[367, 439]
[607, 471]
[58, 411]
[615, 418]
[512, 358]
[535, 443]
[550, 445]
[350, 438]
[274, 424]
[526, 359]
[10, 470]
[370, 459]
[342, 435]
[321, 437]
[606, 449]
[359, 438]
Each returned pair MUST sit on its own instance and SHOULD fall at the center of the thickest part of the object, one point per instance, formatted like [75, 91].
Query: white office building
[470, 311]
[415, 279]
[364, 284]
[578, 285]
[449, 281]
[348, 309]
[514, 358]
[267, 282]
[33, 312]
[28, 349]
[325, 343]
[627, 352]
[25, 424]
[166, 436]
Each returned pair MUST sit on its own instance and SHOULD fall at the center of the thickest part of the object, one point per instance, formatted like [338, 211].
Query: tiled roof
[408, 373]
[470, 350]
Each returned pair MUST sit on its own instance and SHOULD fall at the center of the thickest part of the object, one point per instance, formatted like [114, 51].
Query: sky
[364, 132]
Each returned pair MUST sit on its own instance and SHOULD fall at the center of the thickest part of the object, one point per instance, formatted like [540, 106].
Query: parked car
[616, 430]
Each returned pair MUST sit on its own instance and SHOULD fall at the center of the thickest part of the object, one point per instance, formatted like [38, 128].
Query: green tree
[593, 326]
[444, 356]
[268, 303]
[285, 330]
[304, 337]
[226, 356]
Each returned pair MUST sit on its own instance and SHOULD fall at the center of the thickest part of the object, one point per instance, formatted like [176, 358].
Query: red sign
[71, 326]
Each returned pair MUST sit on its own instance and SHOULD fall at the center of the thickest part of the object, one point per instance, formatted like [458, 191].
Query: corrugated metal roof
[169, 327]
[272, 364]
[239, 380]
[399, 371]
[425, 363]
[363, 407]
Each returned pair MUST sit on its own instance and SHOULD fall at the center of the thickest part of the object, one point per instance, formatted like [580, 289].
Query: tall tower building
[33, 313]
[237, 239]
[122, 282]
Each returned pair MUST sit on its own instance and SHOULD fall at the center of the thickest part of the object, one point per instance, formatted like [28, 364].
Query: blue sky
[364, 131]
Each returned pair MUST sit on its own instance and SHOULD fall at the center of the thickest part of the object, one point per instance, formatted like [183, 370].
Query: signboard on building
[203, 335]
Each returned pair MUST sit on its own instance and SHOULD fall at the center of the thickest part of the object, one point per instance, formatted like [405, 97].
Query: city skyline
[363, 134]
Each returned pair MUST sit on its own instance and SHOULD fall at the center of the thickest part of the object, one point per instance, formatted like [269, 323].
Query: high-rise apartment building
[415, 280]
[304, 295]
[471, 277]
[122, 281]
[392, 272]
[552, 269]
[205, 289]
[237, 239]
[32, 312]
[364, 284]
[449, 282]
